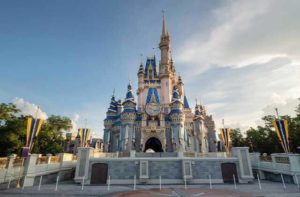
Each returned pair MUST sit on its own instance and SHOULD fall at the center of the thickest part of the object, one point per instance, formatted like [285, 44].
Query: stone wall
[172, 170]
[122, 171]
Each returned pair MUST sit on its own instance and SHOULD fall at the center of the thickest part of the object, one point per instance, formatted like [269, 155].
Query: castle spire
[164, 27]
[129, 94]
[165, 47]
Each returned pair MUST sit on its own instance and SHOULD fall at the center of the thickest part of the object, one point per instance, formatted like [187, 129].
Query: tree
[7, 112]
[50, 139]
[237, 138]
[13, 128]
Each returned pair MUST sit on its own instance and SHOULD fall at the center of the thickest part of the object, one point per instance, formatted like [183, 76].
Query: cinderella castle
[160, 120]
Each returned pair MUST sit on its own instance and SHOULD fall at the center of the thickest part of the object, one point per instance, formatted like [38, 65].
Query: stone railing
[161, 154]
[35, 165]
[277, 162]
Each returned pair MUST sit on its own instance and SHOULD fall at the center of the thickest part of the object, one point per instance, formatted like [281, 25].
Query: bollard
[134, 182]
[108, 185]
[40, 182]
[57, 178]
[258, 180]
[185, 182]
[234, 182]
[19, 179]
[283, 183]
[210, 184]
[8, 185]
[297, 182]
[23, 185]
[82, 183]
[159, 182]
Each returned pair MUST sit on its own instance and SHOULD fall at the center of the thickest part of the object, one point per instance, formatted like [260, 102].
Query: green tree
[237, 139]
[13, 128]
[294, 130]
[50, 138]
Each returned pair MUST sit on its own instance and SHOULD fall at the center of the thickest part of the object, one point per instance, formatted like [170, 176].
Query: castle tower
[165, 71]
[108, 123]
[177, 122]
[140, 75]
[200, 130]
[128, 117]
[180, 86]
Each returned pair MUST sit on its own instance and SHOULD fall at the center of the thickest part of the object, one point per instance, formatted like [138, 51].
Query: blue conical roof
[129, 94]
[185, 103]
[113, 104]
[150, 62]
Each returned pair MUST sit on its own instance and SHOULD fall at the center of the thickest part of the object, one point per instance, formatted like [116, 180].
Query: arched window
[150, 73]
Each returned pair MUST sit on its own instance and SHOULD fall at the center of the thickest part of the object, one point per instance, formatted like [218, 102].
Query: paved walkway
[243, 190]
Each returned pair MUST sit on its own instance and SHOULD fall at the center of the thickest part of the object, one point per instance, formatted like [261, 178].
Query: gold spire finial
[164, 27]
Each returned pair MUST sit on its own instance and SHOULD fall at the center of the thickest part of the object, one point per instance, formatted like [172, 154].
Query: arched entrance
[154, 144]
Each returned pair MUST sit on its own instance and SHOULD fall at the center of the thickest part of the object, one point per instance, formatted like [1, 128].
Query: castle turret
[165, 70]
[200, 130]
[128, 117]
[140, 75]
[177, 122]
[180, 86]
[111, 114]
[164, 46]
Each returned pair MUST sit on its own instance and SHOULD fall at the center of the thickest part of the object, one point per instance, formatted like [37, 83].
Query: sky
[239, 58]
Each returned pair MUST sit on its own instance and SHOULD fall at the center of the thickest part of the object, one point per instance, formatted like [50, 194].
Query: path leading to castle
[269, 189]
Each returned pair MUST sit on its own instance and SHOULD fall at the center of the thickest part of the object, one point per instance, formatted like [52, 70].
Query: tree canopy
[13, 129]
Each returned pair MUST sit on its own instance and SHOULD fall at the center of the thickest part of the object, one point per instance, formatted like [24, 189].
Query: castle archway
[154, 144]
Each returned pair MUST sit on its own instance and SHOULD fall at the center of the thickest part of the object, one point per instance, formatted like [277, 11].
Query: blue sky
[68, 56]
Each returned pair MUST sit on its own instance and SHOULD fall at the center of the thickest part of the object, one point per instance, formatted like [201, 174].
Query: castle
[161, 119]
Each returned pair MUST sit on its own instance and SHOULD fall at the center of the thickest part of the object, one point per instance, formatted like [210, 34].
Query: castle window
[187, 169]
[150, 73]
[144, 169]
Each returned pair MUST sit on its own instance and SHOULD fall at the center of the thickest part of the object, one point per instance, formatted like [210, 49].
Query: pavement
[268, 189]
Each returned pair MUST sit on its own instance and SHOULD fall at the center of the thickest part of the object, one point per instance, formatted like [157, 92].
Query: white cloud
[74, 122]
[245, 33]
[243, 95]
[249, 63]
[28, 108]
[284, 106]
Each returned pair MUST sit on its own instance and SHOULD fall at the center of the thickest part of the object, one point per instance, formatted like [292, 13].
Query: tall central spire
[164, 46]
[164, 27]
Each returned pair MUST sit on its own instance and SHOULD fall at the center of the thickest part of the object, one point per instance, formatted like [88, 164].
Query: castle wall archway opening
[154, 144]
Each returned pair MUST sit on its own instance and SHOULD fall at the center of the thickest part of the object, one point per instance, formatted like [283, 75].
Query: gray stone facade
[171, 170]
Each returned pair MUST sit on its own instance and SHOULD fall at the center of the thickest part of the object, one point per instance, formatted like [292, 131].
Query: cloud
[74, 122]
[28, 108]
[245, 33]
[284, 106]
[247, 63]
[242, 95]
